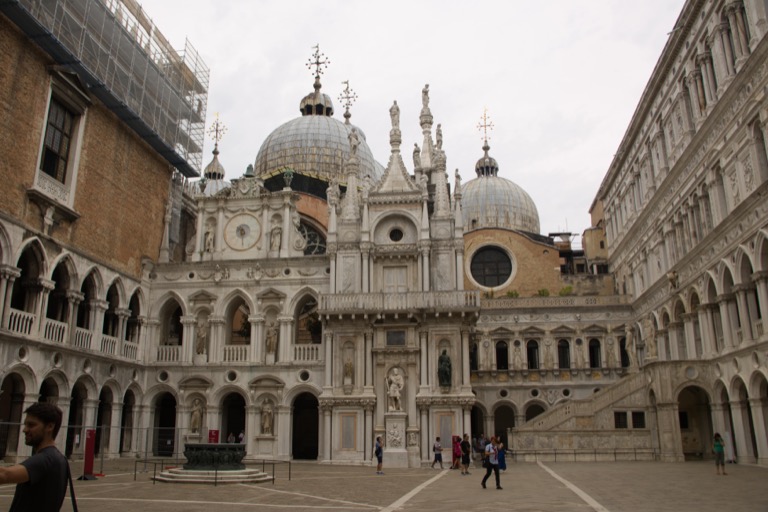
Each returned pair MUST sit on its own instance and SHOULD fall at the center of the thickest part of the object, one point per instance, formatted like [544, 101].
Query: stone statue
[266, 418]
[439, 136]
[208, 244]
[275, 238]
[271, 338]
[354, 142]
[517, 359]
[425, 97]
[651, 343]
[202, 336]
[196, 416]
[457, 181]
[416, 156]
[395, 385]
[629, 346]
[610, 354]
[444, 369]
[332, 192]
[349, 369]
[394, 114]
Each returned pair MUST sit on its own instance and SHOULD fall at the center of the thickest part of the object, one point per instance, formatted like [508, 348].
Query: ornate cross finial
[217, 130]
[347, 96]
[319, 61]
[485, 125]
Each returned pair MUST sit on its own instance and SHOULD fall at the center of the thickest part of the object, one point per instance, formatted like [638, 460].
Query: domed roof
[314, 145]
[214, 175]
[490, 201]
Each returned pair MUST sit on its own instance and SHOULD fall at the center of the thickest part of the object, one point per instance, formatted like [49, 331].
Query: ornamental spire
[347, 99]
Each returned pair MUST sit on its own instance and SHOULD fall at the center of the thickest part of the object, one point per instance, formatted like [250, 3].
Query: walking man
[438, 449]
[492, 456]
[41, 480]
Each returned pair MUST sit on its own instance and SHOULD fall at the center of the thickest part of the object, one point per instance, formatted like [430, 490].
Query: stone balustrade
[456, 300]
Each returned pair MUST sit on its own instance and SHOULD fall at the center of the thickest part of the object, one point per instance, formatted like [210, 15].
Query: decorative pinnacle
[485, 125]
[217, 131]
[319, 61]
[347, 98]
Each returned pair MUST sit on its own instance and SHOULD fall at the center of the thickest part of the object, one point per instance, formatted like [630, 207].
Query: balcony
[24, 324]
[410, 302]
[306, 353]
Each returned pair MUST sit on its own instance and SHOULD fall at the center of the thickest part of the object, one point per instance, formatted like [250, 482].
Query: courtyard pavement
[545, 486]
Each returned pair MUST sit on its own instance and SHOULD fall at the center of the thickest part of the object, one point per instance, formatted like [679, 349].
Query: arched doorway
[476, 419]
[126, 422]
[232, 415]
[75, 435]
[165, 425]
[695, 416]
[503, 419]
[11, 405]
[305, 427]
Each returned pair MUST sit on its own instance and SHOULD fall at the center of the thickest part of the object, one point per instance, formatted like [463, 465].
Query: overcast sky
[560, 78]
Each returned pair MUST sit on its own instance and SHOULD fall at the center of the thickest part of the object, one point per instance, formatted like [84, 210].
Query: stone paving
[561, 486]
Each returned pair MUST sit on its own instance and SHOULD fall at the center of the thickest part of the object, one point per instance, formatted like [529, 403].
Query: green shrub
[543, 293]
[566, 290]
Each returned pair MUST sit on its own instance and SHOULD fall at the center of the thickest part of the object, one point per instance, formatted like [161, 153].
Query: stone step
[188, 476]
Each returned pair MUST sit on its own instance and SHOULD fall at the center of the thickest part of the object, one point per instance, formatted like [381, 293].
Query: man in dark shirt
[465, 453]
[41, 479]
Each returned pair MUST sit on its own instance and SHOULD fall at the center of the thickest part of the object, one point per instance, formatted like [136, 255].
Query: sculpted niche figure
[425, 97]
[271, 338]
[201, 335]
[395, 385]
[196, 416]
[275, 238]
[266, 418]
[444, 369]
[394, 114]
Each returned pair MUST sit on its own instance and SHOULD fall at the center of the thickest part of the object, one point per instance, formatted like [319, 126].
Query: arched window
[309, 327]
[594, 353]
[563, 354]
[532, 348]
[315, 240]
[502, 355]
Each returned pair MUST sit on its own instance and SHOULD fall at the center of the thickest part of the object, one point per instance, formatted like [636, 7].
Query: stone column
[465, 376]
[423, 366]
[368, 355]
[114, 430]
[425, 269]
[216, 338]
[368, 429]
[704, 313]
[281, 423]
[670, 441]
[328, 360]
[742, 306]
[467, 417]
[326, 439]
[758, 406]
[7, 276]
[285, 343]
[252, 424]
[424, 430]
[366, 260]
[189, 324]
[740, 436]
[724, 44]
[73, 302]
[725, 318]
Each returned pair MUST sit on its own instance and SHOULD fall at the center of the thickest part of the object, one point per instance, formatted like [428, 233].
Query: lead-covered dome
[315, 144]
[490, 201]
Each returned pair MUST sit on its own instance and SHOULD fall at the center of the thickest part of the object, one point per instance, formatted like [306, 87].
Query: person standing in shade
[492, 455]
[41, 480]
[379, 453]
[466, 449]
[438, 449]
[718, 448]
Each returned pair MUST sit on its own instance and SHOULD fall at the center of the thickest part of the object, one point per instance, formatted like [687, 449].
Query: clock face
[242, 232]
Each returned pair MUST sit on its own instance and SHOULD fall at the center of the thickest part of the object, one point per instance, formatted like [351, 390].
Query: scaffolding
[129, 65]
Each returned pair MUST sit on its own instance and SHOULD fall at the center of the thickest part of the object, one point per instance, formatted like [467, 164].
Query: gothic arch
[761, 251]
[223, 306]
[756, 381]
[69, 265]
[298, 297]
[38, 251]
[137, 292]
[89, 383]
[161, 303]
[97, 279]
[5, 246]
[117, 282]
[138, 393]
[743, 266]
